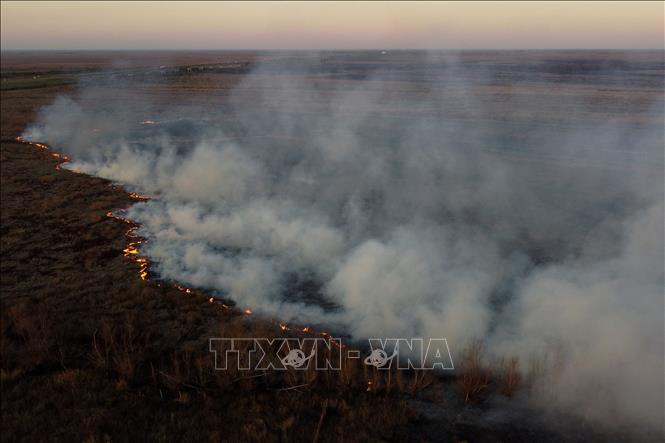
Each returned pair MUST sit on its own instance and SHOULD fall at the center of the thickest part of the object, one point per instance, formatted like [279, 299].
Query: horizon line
[325, 49]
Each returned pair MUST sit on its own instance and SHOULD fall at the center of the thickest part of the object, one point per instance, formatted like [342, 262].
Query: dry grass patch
[474, 378]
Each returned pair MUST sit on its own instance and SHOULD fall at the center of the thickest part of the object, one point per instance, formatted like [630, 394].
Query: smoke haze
[515, 200]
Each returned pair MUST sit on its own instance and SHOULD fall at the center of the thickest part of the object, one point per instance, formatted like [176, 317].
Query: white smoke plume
[449, 205]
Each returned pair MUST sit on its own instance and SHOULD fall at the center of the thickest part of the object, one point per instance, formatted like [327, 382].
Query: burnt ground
[91, 352]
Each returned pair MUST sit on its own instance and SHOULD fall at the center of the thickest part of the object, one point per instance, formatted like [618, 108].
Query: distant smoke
[441, 202]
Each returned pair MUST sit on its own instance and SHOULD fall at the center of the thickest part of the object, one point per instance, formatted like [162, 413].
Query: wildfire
[137, 196]
[132, 249]
[184, 289]
[338, 344]
[37, 145]
[122, 219]
[62, 157]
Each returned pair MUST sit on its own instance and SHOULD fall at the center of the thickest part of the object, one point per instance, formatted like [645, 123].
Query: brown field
[91, 352]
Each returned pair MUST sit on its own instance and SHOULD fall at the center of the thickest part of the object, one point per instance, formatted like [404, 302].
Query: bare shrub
[509, 376]
[32, 323]
[178, 372]
[103, 343]
[421, 380]
[129, 350]
[118, 348]
[473, 378]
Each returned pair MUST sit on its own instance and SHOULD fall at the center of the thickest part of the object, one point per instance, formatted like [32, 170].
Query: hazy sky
[331, 25]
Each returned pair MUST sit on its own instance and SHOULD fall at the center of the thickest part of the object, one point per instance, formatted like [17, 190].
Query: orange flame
[338, 344]
[132, 249]
[137, 196]
[42, 146]
[184, 289]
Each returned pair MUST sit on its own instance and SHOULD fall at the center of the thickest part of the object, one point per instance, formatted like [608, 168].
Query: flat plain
[92, 352]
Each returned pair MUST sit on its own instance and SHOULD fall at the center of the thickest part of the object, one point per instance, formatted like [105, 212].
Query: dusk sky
[331, 25]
